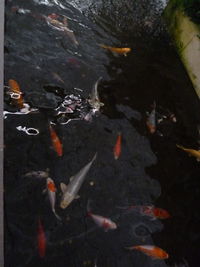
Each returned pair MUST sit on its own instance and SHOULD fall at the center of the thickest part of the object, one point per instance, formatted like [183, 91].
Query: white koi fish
[51, 189]
[70, 191]
[94, 100]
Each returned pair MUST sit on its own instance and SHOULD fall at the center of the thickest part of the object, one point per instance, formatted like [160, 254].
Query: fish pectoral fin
[77, 197]
[63, 187]
[44, 191]
[198, 159]
[71, 178]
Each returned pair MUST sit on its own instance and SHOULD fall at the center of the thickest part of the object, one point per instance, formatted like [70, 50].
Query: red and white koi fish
[152, 251]
[117, 147]
[41, 240]
[151, 120]
[51, 189]
[151, 211]
[56, 142]
[105, 223]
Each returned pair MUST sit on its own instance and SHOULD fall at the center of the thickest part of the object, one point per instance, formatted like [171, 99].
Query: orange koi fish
[56, 142]
[117, 147]
[191, 152]
[118, 50]
[151, 120]
[51, 189]
[152, 251]
[15, 88]
[41, 239]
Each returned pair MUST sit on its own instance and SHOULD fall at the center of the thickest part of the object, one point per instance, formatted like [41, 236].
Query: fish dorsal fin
[63, 187]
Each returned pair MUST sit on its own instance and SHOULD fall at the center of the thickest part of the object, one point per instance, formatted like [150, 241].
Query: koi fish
[70, 191]
[62, 26]
[39, 174]
[56, 142]
[105, 223]
[155, 212]
[117, 147]
[117, 50]
[15, 88]
[151, 120]
[41, 240]
[191, 152]
[51, 189]
[151, 211]
[152, 251]
[94, 100]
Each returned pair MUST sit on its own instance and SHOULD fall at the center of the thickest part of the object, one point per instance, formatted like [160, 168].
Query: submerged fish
[15, 88]
[151, 120]
[118, 50]
[151, 211]
[39, 174]
[105, 223]
[155, 213]
[70, 191]
[94, 100]
[152, 251]
[117, 147]
[51, 189]
[191, 152]
[62, 26]
[56, 142]
[41, 240]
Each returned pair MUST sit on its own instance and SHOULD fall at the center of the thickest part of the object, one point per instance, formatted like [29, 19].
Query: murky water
[151, 170]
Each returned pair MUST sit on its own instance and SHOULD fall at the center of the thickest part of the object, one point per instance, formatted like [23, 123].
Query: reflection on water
[56, 77]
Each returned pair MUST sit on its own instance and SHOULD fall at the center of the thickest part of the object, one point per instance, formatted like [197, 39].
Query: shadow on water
[151, 170]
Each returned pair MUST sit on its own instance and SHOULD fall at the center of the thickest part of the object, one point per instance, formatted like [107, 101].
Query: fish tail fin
[179, 146]
[103, 46]
[57, 216]
[95, 156]
[89, 207]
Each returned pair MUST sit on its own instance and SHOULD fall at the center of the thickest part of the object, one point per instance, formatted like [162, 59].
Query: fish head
[66, 200]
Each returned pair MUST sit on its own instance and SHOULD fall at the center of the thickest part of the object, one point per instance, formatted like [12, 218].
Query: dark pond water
[151, 169]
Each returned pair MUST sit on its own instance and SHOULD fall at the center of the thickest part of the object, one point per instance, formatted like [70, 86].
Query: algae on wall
[186, 36]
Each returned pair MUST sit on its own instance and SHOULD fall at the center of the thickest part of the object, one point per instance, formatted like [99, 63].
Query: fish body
[155, 213]
[151, 211]
[15, 88]
[61, 26]
[103, 222]
[51, 189]
[56, 142]
[117, 147]
[70, 191]
[94, 100]
[39, 174]
[191, 152]
[41, 240]
[151, 120]
[152, 251]
[118, 50]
